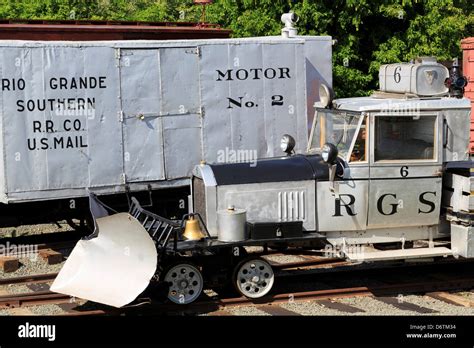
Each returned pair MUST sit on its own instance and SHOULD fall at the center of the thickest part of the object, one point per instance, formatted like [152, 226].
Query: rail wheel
[253, 278]
[185, 283]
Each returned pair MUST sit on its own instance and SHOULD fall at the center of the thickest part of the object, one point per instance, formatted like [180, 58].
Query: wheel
[253, 278]
[185, 283]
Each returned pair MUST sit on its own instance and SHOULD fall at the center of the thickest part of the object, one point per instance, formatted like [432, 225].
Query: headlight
[325, 154]
[329, 153]
[289, 19]
[325, 95]
[287, 144]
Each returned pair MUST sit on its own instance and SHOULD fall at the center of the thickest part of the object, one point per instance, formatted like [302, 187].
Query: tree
[368, 32]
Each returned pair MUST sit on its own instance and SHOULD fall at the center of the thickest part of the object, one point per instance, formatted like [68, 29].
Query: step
[399, 254]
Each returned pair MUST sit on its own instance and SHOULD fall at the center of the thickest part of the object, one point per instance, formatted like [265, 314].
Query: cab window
[360, 150]
[338, 128]
[404, 138]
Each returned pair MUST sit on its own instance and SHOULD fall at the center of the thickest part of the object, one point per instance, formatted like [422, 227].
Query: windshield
[334, 127]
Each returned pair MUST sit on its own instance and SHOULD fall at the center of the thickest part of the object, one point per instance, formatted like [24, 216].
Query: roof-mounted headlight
[325, 95]
[329, 153]
[289, 19]
[287, 144]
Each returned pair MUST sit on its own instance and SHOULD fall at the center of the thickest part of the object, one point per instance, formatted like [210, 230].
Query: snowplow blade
[112, 268]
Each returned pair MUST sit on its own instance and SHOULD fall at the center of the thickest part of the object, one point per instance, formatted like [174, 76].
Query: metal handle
[446, 133]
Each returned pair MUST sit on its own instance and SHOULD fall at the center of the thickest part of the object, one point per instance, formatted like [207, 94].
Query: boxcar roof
[161, 43]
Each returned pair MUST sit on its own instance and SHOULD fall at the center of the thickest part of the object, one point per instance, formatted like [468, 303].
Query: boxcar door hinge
[117, 53]
[202, 111]
[123, 178]
[120, 116]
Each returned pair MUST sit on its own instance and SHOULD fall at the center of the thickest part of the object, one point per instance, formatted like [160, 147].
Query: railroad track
[53, 240]
[47, 297]
[41, 298]
[436, 288]
[36, 298]
[377, 291]
[44, 297]
[425, 284]
[30, 279]
[431, 282]
[32, 299]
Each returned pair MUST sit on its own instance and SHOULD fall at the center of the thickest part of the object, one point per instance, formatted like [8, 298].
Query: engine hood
[277, 169]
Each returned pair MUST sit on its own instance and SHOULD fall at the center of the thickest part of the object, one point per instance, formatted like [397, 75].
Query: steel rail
[376, 291]
[29, 279]
[32, 299]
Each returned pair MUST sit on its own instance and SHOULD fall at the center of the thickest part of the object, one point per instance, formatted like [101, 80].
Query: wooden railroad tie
[51, 256]
[454, 299]
[9, 263]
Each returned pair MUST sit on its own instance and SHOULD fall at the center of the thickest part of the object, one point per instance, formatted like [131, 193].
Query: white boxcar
[112, 116]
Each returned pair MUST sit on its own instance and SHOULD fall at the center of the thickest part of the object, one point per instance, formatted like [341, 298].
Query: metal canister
[231, 224]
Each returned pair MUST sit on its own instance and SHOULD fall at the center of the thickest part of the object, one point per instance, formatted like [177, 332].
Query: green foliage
[368, 32]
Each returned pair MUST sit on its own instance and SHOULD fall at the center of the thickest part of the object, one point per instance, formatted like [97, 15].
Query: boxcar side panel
[141, 102]
[318, 53]
[105, 115]
[213, 97]
[251, 99]
[105, 150]
[3, 188]
[180, 110]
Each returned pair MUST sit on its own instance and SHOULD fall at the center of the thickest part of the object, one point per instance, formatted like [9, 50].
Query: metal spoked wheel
[185, 283]
[254, 278]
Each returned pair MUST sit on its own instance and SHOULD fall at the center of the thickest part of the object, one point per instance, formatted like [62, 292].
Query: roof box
[424, 78]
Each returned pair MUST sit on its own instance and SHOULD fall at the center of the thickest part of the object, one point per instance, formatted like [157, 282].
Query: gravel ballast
[442, 307]
[32, 265]
[310, 308]
[246, 310]
[27, 230]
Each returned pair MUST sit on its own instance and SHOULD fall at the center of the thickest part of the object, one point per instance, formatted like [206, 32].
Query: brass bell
[192, 230]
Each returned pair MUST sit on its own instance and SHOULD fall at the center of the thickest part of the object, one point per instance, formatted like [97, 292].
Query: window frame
[436, 143]
[315, 124]
[367, 141]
